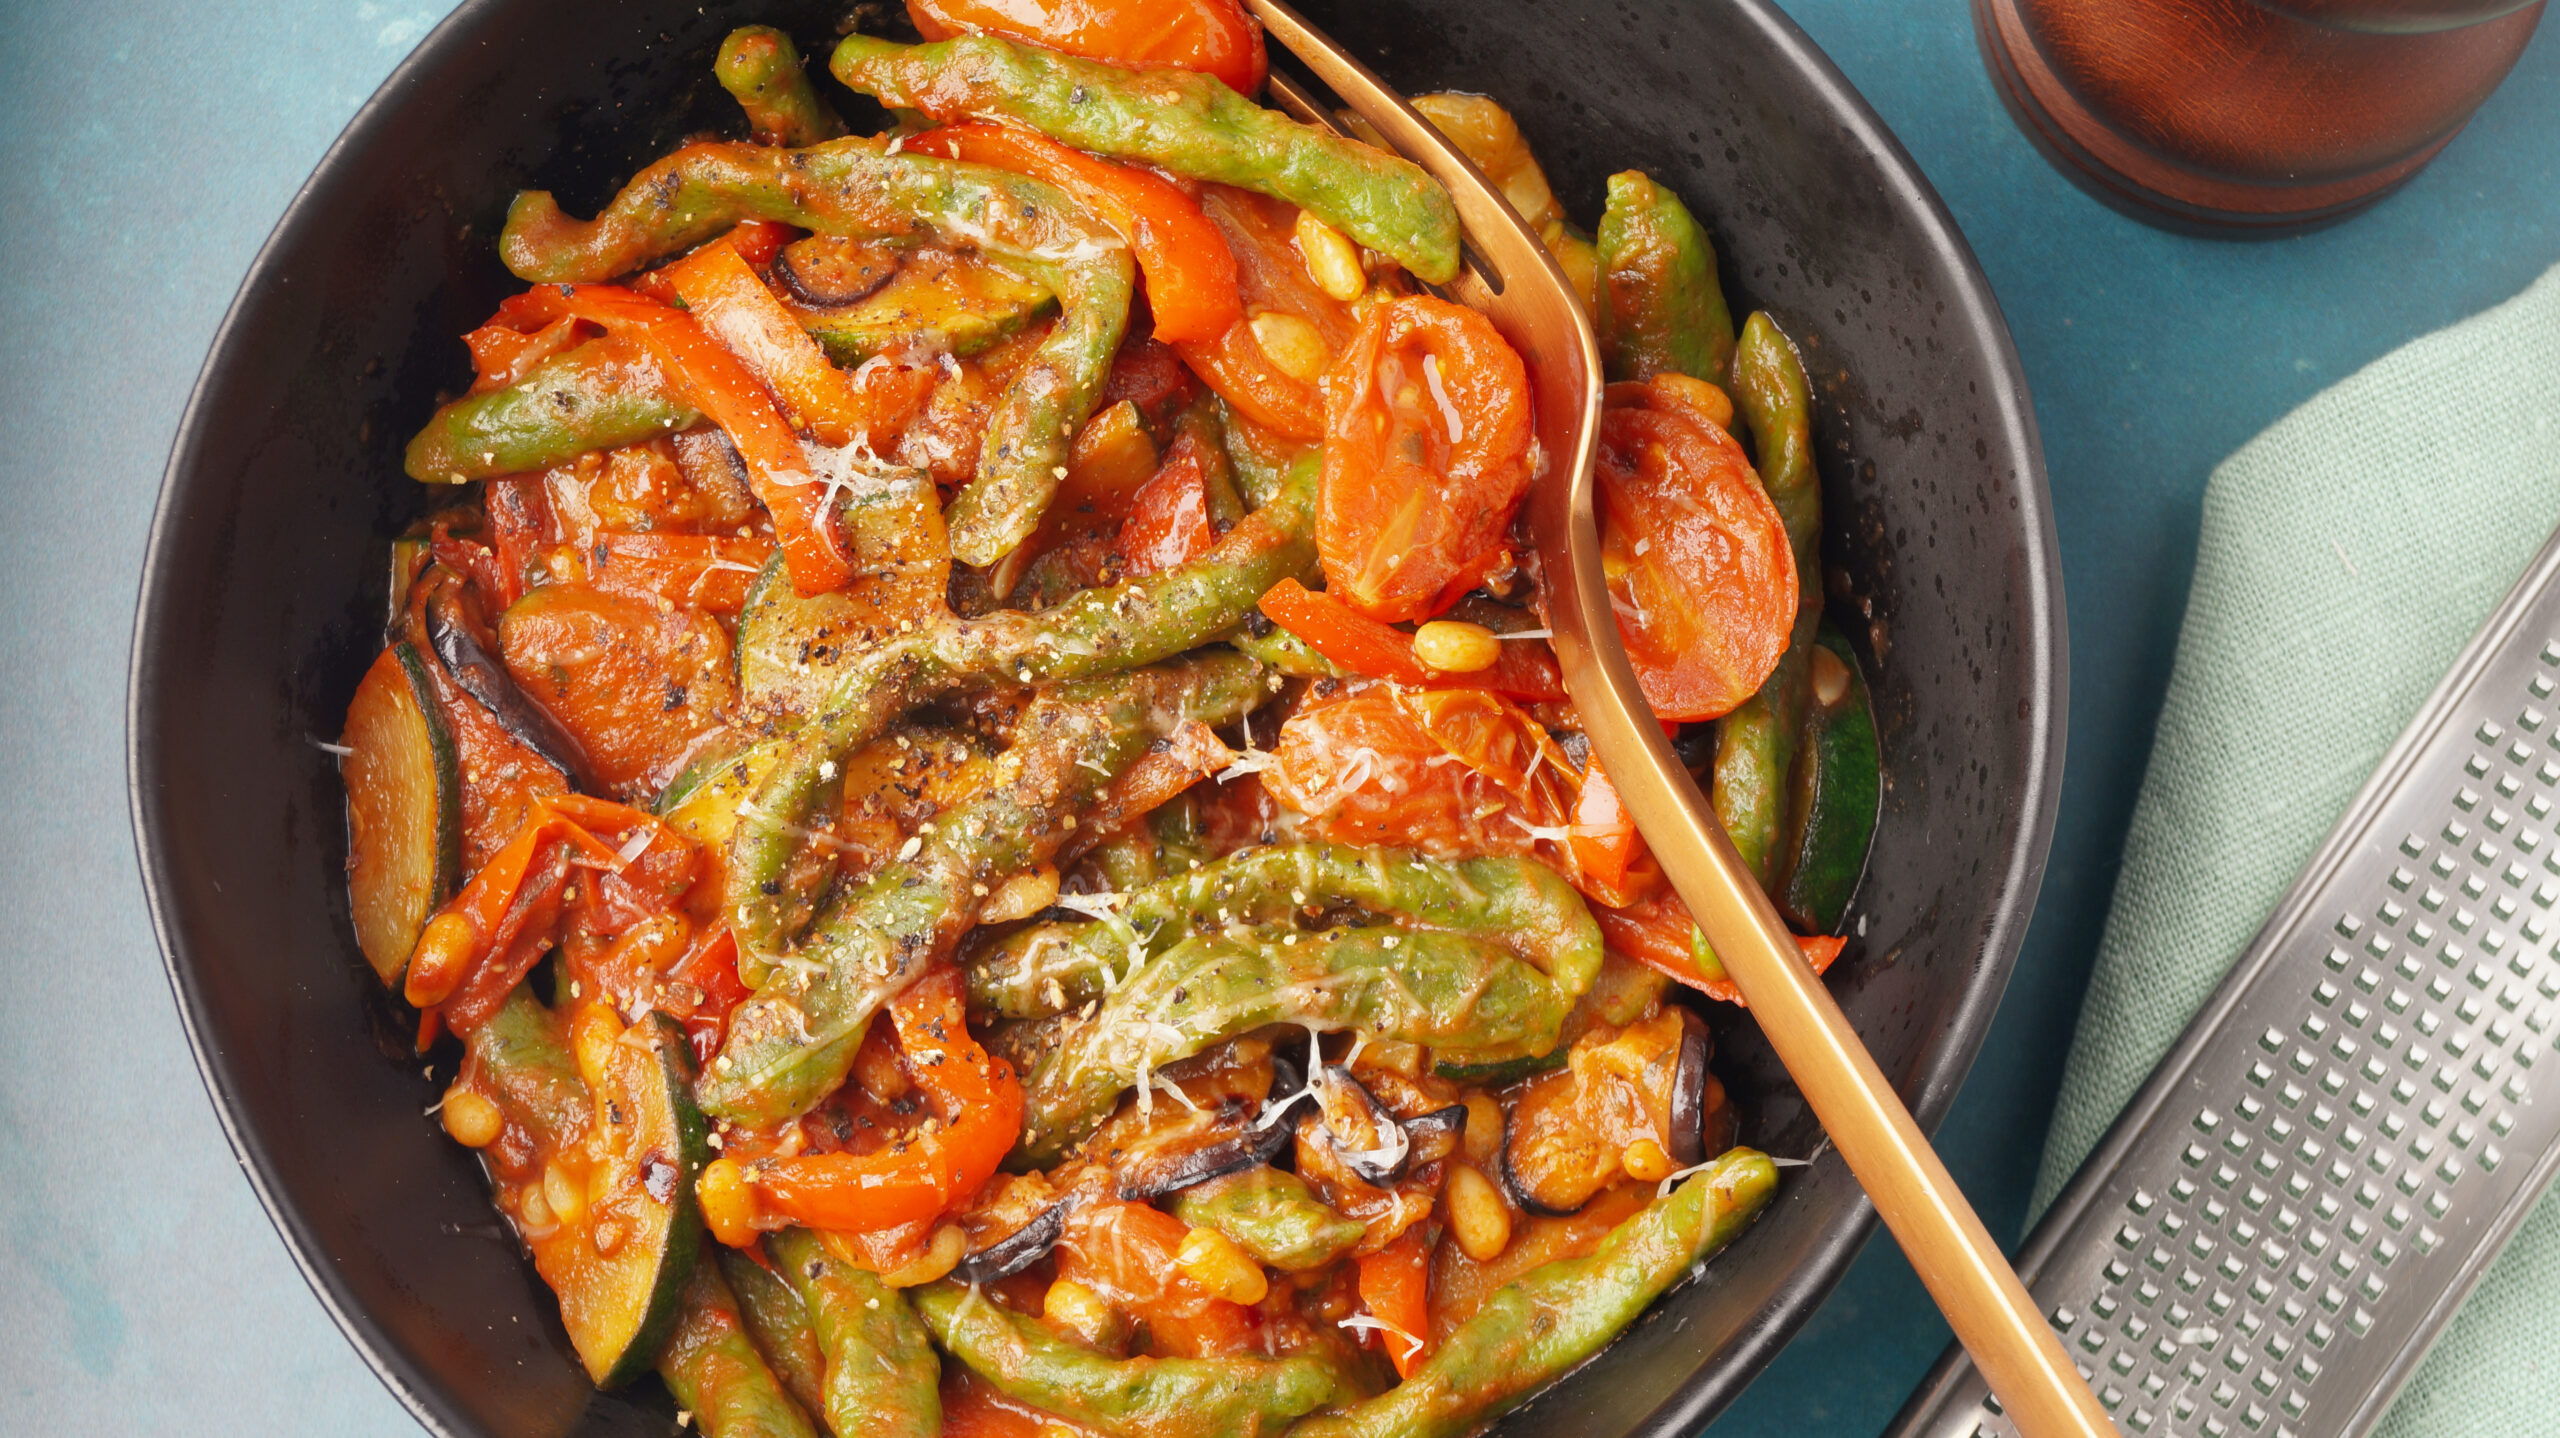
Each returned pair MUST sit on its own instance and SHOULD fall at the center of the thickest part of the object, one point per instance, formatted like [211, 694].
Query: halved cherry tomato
[1214, 37]
[710, 988]
[1696, 555]
[1126, 1252]
[713, 381]
[1660, 933]
[1272, 278]
[1426, 456]
[976, 1098]
[1526, 669]
[1190, 273]
[1168, 520]
[1395, 1286]
[1455, 773]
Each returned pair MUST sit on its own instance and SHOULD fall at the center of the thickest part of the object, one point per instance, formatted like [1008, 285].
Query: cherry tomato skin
[1214, 37]
[1426, 458]
[1699, 567]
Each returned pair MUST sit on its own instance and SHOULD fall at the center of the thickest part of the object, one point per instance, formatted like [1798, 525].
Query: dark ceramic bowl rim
[1933, 1082]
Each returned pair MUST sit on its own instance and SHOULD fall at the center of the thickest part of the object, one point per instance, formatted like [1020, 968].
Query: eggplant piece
[1569, 1131]
[1362, 1133]
[1435, 1135]
[486, 680]
[1019, 1249]
[835, 270]
[1690, 1092]
[1194, 1154]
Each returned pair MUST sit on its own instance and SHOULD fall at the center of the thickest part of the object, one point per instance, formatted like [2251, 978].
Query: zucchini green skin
[618, 1324]
[1233, 1397]
[882, 1379]
[599, 395]
[994, 305]
[1184, 122]
[712, 1368]
[1661, 308]
[760, 68]
[1555, 1316]
[792, 647]
[1756, 743]
[393, 887]
[778, 1321]
[656, 1264]
[1273, 1216]
[1838, 786]
[1619, 995]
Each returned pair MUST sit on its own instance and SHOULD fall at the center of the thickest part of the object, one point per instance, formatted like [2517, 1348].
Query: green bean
[1756, 744]
[1525, 906]
[1533, 1331]
[716, 1374]
[1184, 122]
[1099, 631]
[596, 396]
[793, 1043]
[856, 187]
[1284, 651]
[1202, 424]
[1233, 1397]
[881, 1376]
[1258, 476]
[1273, 1216]
[1451, 992]
[1661, 309]
[778, 1321]
[761, 68]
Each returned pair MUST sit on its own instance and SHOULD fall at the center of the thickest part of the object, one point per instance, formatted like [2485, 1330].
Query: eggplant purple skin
[1343, 1082]
[1434, 1136]
[486, 680]
[1525, 1196]
[1689, 1092]
[1242, 1148]
[1019, 1249]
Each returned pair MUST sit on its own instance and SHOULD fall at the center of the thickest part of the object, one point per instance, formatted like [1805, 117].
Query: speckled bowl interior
[261, 608]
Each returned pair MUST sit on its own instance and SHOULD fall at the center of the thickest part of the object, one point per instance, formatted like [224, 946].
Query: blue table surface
[147, 146]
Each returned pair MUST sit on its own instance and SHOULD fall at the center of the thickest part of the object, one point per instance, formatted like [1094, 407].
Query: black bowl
[263, 598]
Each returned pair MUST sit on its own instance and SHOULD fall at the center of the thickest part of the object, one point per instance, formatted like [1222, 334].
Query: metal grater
[2280, 1223]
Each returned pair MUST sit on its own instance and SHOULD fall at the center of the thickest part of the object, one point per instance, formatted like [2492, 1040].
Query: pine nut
[729, 1206]
[1830, 677]
[949, 1246]
[1081, 1313]
[1212, 1260]
[1293, 344]
[473, 1121]
[1483, 1138]
[1333, 262]
[440, 959]
[1453, 646]
[1478, 1218]
[1646, 1162]
[561, 1189]
[592, 1035]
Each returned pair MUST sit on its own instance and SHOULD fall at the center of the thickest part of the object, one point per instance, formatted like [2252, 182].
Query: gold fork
[1511, 278]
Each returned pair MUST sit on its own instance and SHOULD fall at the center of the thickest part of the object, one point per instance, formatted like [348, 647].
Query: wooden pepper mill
[2247, 117]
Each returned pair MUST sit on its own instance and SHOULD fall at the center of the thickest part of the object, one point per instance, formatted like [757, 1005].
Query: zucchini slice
[404, 808]
[1837, 786]
[957, 302]
[619, 1258]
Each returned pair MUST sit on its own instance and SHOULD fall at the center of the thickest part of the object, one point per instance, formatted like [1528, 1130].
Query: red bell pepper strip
[1190, 271]
[721, 291]
[1363, 645]
[978, 1104]
[1661, 934]
[1395, 1286]
[712, 380]
[710, 572]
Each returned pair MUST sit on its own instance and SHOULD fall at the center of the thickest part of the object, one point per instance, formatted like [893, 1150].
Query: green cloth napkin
[2346, 556]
